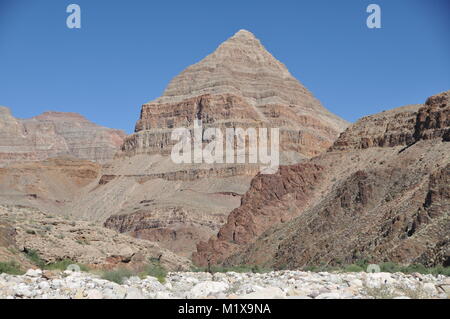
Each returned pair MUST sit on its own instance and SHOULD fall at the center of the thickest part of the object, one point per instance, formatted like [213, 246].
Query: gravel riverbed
[37, 284]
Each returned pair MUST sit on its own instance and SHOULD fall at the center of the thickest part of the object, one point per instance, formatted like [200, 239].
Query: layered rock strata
[240, 85]
[385, 197]
[54, 134]
[53, 239]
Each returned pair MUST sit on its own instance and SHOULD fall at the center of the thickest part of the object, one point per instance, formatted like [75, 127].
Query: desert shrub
[63, 264]
[117, 276]
[390, 267]
[363, 263]
[155, 269]
[239, 269]
[257, 269]
[421, 269]
[311, 268]
[34, 257]
[197, 269]
[383, 292]
[354, 268]
[11, 268]
[440, 270]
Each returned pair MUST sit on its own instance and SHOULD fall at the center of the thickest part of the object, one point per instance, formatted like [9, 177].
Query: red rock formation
[238, 85]
[383, 195]
[433, 119]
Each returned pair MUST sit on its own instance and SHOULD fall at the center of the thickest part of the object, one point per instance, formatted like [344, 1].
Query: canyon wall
[384, 197]
[54, 134]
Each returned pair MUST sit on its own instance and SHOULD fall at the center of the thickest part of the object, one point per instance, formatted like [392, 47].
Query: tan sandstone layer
[240, 85]
[54, 134]
[53, 238]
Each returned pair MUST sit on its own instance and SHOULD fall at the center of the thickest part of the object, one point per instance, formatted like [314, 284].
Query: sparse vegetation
[386, 292]
[353, 268]
[152, 269]
[83, 242]
[34, 257]
[383, 292]
[64, 264]
[237, 269]
[155, 269]
[389, 267]
[11, 268]
[117, 276]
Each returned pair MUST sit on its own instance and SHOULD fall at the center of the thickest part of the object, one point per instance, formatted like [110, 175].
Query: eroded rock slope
[54, 134]
[240, 85]
[380, 193]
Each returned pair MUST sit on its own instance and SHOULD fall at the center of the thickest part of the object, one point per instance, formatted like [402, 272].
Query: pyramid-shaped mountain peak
[242, 67]
[244, 33]
[244, 36]
[244, 47]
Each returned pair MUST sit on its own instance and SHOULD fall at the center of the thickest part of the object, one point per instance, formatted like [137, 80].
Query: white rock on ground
[281, 284]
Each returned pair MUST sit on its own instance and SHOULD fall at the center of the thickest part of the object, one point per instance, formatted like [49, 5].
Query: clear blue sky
[127, 51]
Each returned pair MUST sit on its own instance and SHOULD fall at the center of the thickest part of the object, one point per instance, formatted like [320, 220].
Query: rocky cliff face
[54, 239]
[433, 119]
[54, 134]
[50, 185]
[240, 85]
[385, 196]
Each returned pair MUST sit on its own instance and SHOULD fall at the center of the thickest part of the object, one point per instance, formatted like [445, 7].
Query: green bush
[155, 269]
[239, 269]
[311, 268]
[118, 275]
[415, 268]
[34, 257]
[440, 270]
[63, 264]
[197, 269]
[363, 263]
[390, 267]
[354, 268]
[257, 269]
[11, 268]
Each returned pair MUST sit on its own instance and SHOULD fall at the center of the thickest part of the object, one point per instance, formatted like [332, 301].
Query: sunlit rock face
[240, 85]
[380, 193]
[55, 134]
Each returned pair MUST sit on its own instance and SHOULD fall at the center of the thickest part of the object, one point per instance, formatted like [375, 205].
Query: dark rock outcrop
[385, 196]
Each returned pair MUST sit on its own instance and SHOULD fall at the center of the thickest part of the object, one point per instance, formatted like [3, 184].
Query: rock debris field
[37, 284]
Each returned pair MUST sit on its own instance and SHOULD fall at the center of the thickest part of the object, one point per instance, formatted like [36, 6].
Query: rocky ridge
[54, 239]
[48, 185]
[385, 196]
[54, 134]
[240, 85]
